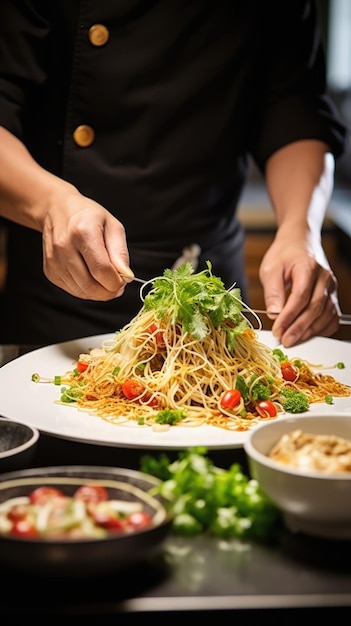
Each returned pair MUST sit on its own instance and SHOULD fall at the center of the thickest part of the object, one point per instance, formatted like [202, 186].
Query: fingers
[311, 312]
[75, 277]
[86, 254]
[300, 290]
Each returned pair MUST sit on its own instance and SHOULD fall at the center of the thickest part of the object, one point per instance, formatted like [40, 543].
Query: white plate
[34, 404]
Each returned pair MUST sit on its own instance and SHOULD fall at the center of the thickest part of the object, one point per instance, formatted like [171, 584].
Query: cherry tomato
[40, 495]
[109, 521]
[82, 366]
[230, 399]
[289, 371]
[91, 493]
[158, 334]
[148, 400]
[266, 408]
[23, 528]
[139, 519]
[152, 402]
[17, 512]
[132, 388]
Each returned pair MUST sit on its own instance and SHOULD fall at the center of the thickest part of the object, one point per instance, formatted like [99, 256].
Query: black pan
[83, 557]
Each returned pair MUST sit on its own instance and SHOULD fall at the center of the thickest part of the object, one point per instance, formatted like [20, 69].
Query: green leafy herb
[205, 498]
[195, 301]
[241, 386]
[280, 354]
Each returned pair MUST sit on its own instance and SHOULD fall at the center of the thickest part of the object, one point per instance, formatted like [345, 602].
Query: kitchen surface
[292, 574]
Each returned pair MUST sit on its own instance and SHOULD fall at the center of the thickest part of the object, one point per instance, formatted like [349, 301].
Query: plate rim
[221, 441]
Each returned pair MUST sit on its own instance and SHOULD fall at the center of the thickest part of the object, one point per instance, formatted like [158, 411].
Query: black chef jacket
[152, 108]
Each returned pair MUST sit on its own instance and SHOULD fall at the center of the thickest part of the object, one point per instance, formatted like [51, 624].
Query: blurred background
[335, 22]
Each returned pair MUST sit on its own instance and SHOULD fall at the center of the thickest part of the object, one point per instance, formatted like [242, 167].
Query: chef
[126, 130]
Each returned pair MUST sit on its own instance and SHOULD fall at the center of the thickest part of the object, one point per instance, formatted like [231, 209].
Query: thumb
[116, 246]
[274, 297]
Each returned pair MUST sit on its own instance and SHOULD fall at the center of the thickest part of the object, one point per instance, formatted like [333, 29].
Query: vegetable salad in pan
[192, 357]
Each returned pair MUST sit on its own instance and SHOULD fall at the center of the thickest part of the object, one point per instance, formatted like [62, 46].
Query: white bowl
[18, 443]
[312, 501]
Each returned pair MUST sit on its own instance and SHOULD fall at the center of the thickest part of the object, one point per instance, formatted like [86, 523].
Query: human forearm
[295, 273]
[26, 189]
[293, 174]
[84, 246]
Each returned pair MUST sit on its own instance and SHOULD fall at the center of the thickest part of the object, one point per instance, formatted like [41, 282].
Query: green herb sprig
[192, 299]
[205, 498]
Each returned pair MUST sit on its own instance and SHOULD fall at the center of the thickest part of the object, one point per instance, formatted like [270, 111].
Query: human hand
[84, 247]
[300, 286]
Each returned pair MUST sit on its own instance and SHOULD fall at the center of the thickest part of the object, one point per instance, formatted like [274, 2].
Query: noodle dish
[191, 357]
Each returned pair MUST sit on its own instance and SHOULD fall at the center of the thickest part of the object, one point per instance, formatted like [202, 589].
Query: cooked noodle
[171, 369]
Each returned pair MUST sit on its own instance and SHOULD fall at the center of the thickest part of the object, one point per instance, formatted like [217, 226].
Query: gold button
[98, 35]
[84, 135]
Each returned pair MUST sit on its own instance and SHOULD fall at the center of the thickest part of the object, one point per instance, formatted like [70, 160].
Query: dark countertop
[187, 578]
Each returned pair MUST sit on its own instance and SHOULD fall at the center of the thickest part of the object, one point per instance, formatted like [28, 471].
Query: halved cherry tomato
[139, 519]
[40, 495]
[148, 400]
[158, 334]
[230, 398]
[266, 408]
[17, 512]
[23, 528]
[132, 388]
[82, 366]
[109, 521]
[289, 371]
[91, 493]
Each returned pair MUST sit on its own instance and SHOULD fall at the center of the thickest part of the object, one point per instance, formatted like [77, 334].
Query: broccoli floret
[170, 416]
[294, 401]
[260, 391]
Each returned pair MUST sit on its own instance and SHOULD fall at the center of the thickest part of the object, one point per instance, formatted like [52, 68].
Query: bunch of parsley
[205, 498]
